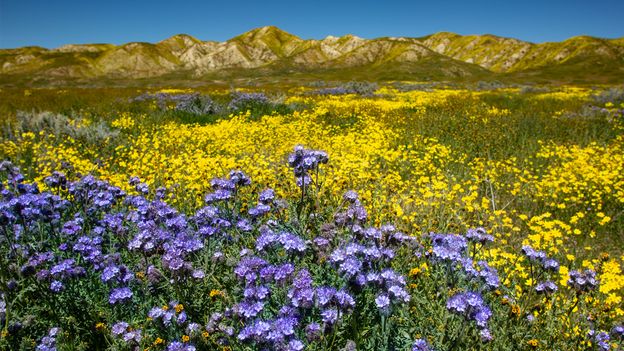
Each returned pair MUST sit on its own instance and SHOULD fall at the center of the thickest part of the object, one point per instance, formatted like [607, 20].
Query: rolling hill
[274, 53]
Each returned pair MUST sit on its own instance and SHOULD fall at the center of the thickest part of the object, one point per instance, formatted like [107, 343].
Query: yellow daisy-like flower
[515, 310]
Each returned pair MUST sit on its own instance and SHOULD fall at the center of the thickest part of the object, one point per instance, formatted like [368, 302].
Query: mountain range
[272, 53]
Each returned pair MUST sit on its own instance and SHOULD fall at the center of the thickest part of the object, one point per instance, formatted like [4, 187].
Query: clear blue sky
[51, 23]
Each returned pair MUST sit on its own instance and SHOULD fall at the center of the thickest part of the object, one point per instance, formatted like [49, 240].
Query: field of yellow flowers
[540, 169]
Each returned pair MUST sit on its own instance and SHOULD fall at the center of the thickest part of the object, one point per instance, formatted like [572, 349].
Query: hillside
[271, 52]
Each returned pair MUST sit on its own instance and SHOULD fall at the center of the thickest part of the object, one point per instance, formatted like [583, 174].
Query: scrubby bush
[360, 88]
[58, 125]
[613, 95]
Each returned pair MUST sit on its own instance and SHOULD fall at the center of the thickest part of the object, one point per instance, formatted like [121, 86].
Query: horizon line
[329, 35]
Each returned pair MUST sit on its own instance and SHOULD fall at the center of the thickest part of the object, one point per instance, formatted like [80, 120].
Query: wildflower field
[356, 217]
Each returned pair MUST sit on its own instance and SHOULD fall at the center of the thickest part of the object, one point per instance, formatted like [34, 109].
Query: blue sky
[51, 23]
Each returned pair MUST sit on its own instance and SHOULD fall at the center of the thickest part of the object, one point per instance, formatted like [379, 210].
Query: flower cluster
[225, 189]
[471, 306]
[187, 102]
[583, 281]
[304, 161]
[453, 250]
[168, 314]
[129, 335]
[48, 342]
[421, 345]
[546, 266]
[242, 101]
[601, 339]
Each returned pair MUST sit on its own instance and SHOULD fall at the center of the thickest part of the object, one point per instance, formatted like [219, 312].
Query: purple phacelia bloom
[217, 196]
[618, 331]
[532, 254]
[421, 345]
[261, 292]
[266, 239]
[471, 306]
[329, 316]
[285, 325]
[283, 272]
[321, 242]
[448, 246]
[486, 335]
[372, 253]
[324, 295]
[239, 178]
[222, 184]
[133, 336]
[72, 227]
[193, 328]
[250, 310]
[109, 273]
[583, 281]
[373, 277]
[601, 339]
[178, 346]
[313, 331]
[198, 274]
[355, 214]
[303, 161]
[295, 345]
[399, 293]
[181, 318]
[383, 303]
[267, 274]
[119, 328]
[156, 313]
[249, 265]
[63, 268]
[337, 256]
[292, 243]
[489, 275]
[551, 265]
[373, 233]
[353, 249]
[267, 196]
[479, 235]
[482, 315]
[344, 300]
[244, 225]
[351, 266]
[56, 286]
[120, 295]
[57, 179]
[350, 196]
[547, 287]
[304, 181]
[259, 210]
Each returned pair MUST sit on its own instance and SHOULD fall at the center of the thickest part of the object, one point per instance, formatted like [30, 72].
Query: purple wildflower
[383, 303]
[547, 287]
[583, 281]
[120, 295]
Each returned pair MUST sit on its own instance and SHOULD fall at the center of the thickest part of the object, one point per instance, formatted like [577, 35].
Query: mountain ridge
[270, 51]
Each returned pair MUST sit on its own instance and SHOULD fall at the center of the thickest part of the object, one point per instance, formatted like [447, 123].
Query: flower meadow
[359, 217]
